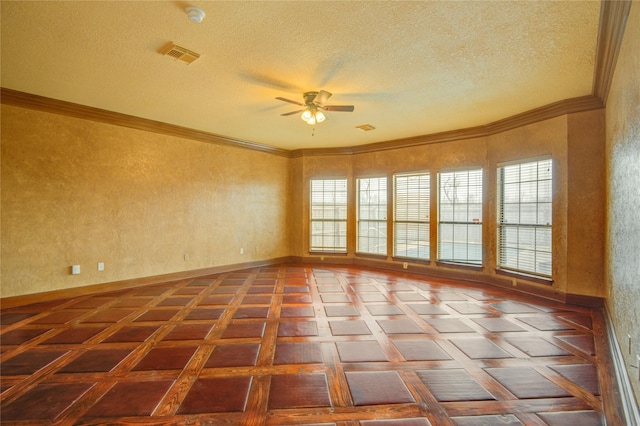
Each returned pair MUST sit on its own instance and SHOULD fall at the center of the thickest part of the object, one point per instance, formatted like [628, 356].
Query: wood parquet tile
[296, 344]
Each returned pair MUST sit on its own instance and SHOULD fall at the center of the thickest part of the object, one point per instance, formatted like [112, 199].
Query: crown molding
[27, 100]
[556, 109]
[613, 20]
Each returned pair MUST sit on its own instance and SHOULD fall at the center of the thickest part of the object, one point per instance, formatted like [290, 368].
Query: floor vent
[180, 53]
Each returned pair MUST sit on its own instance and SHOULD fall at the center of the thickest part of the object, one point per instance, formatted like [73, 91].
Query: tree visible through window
[460, 217]
[524, 217]
[328, 215]
[411, 215]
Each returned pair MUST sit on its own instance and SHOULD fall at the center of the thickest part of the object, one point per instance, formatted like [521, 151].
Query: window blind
[328, 222]
[412, 199]
[460, 217]
[525, 217]
[372, 216]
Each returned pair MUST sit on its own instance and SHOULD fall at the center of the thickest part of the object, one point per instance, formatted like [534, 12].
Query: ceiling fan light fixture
[312, 120]
[312, 115]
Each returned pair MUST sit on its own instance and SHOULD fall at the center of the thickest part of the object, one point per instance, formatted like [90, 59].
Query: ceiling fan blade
[289, 100]
[322, 97]
[338, 108]
[292, 112]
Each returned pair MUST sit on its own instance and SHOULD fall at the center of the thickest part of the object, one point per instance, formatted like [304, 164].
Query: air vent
[365, 127]
[180, 53]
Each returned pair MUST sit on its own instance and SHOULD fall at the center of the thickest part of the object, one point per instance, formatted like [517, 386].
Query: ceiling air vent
[180, 53]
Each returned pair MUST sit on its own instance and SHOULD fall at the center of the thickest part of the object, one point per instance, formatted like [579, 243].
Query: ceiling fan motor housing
[309, 97]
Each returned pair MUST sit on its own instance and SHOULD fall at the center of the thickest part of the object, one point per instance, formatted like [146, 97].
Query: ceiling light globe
[306, 115]
[311, 120]
[320, 117]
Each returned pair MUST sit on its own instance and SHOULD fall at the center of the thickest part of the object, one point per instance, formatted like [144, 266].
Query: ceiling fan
[314, 105]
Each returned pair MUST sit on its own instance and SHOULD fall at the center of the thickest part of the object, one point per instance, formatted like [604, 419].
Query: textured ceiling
[410, 68]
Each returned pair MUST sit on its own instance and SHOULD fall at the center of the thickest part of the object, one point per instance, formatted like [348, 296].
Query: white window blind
[328, 215]
[460, 217]
[372, 216]
[411, 215]
[524, 217]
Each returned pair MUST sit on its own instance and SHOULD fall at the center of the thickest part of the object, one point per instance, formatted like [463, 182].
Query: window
[524, 217]
[411, 199]
[460, 217]
[329, 215]
[372, 216]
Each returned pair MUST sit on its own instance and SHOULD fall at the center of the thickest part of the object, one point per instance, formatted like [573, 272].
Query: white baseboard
[629, 404]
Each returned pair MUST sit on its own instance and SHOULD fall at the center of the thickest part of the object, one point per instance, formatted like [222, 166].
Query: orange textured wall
[622, 249]
[80, 192]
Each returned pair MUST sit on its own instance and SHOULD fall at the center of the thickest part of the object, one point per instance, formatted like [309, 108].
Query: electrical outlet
[405, 265]
[186, 257]
[75, 269]
[241, 250]
[100, 266]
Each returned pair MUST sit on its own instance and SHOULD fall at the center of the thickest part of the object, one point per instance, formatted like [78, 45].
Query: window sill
[413, 260]
[328, 253]
[468, 267]
[524, 276]
[372, 256]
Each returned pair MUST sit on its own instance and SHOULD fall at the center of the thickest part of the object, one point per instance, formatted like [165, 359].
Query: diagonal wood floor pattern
[294, 344]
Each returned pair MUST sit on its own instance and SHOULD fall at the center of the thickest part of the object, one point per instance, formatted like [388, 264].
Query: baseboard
[582, 300]
[625, 390]
[446, 271]
[418, 269]
[28, 299]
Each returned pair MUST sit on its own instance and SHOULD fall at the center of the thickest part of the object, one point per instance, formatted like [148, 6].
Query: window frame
[468, 225]
[420, 226]
[381, 239]
[540, 231]
[341, 213]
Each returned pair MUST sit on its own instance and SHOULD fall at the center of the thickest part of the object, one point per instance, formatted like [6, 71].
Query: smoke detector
[195, 14]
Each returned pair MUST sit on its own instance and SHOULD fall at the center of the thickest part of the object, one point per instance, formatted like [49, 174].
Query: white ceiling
[410, 67]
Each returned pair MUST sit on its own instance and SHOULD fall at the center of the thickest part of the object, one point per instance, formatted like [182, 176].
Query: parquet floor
[293, 344]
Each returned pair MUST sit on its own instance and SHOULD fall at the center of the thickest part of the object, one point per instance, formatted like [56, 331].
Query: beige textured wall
[586, 191]
[80, 192]
[555, 137]
[547, 138]
[623, 194]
